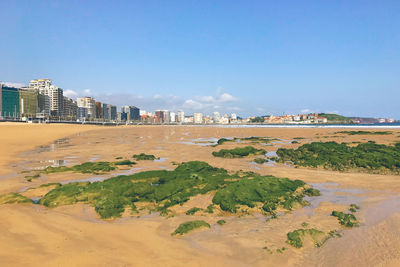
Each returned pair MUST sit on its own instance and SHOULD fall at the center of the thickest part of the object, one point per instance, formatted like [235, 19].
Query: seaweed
[296, 237]
[238, 152]
[368, 157]
[143, 156]
[186, 227]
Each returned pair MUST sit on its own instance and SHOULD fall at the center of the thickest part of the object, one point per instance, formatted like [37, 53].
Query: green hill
[335, 118]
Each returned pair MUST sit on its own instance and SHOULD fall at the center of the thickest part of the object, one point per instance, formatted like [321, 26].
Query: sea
[358, 125]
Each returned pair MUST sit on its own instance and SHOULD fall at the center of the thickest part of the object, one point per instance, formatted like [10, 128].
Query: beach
[74, 235]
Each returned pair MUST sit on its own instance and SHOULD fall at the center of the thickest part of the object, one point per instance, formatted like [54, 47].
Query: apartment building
[90, 104]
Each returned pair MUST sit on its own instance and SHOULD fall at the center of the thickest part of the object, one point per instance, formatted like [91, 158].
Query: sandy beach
[74, 235]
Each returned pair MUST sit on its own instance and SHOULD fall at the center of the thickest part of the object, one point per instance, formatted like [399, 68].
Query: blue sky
[247, 57]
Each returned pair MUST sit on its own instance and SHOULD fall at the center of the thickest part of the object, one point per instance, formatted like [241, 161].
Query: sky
[243, 57]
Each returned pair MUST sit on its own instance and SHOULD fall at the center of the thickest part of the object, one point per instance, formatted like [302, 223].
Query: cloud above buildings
[87, 92]
[70, 93]
[222, 102]
[11, 84]
[305, 110]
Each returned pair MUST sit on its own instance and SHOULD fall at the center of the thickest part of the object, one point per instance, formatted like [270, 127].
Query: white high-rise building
[56, 100]
[181, 116]
[216, 117]
[40, 84]
[233, 116]
[88, 103]
[172, 117]
[198, 117]
[54, 96]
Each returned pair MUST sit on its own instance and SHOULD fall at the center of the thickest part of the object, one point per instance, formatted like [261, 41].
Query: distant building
[162, 116]
[198, 117]
[9, 103]
[172, 117]
[133, 113]
[106, 111]
[216, 117]
[181, 116]
[31, 102]
[43, 85]
[82, 113]
[70, 109]
[113, 112]
[99, 111]
[188, 119]
[88, 103]
[233, 116]
[56, 101]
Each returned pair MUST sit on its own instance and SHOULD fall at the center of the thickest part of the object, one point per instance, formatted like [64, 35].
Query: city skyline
[249, 59]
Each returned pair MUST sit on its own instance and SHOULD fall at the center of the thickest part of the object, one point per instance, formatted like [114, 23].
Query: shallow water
[329, 193]
[382, 211]
[160, 159]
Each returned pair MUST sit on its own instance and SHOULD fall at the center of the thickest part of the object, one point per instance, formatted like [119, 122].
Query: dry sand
[74, 235]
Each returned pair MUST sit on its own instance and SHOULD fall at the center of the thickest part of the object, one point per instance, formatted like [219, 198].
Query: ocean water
[361, 126]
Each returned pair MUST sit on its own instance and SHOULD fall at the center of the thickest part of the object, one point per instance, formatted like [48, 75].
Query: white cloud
[70, 93]
[225, 97]
[204, 104]
[306, 110]
[192, 105]
[87, 92]
[220, 98]
[207, 99]
[10, 84]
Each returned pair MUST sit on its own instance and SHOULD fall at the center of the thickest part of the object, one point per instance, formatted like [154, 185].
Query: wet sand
[74, 235]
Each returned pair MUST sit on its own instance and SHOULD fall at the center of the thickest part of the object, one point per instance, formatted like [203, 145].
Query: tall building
[99, 111]
[198, 117]
[113, 112]
[162, 116]
[172, 117]
[132, 113]
[9, 103]
[70, 109]
[43, 85]
[56, 101]
[31, 102]
[40, 84]
[89, 103]
[82, 113]
[181, 116]
[106, 112]
[216, 117]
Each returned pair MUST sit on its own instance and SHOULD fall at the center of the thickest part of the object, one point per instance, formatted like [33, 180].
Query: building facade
[132, 113]
[70, 109]
[9, 102]
[29, 101]
[99, 111]
[198, 117]
[88, 103]
[181, 116]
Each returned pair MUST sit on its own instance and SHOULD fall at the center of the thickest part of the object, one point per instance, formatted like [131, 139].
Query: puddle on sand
[160, 160]
[330, 193]
[57, 145]
[36, 199]
[94, 158]
[383, 210]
